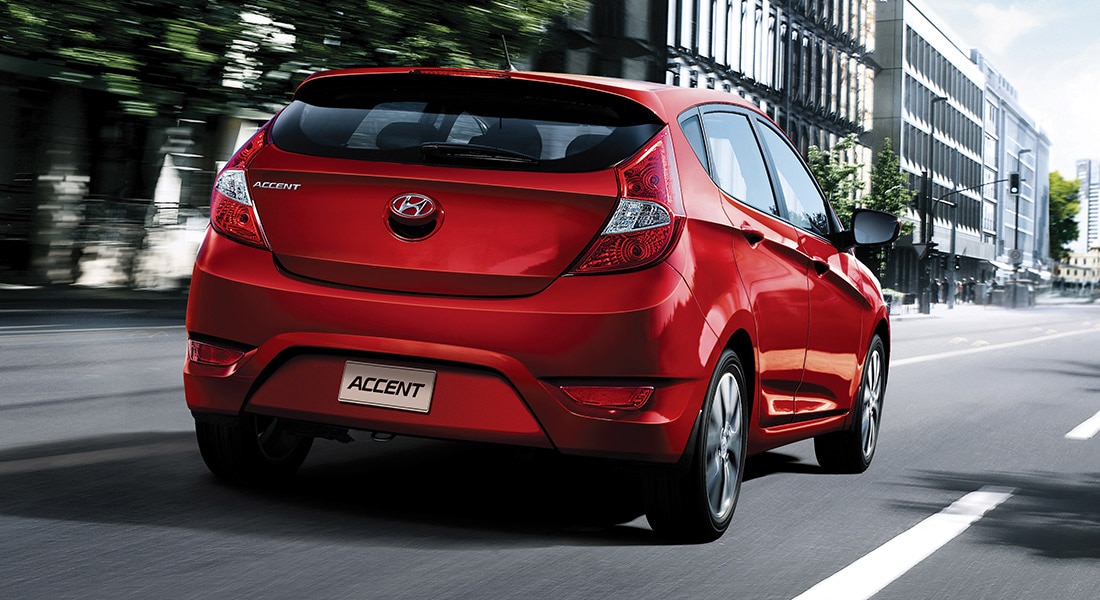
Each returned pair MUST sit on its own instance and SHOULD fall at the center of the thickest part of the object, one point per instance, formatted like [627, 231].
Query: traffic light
[958, 263]
[1014, 183]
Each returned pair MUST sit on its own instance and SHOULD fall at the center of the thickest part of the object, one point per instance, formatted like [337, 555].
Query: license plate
[386, 386]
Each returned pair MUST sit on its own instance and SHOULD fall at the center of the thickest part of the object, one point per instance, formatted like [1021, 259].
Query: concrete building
[949, 113]
[929, 102]
[1080, 274]
[1015, 143]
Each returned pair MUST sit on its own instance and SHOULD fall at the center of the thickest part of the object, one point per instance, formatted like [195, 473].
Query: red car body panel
[486, 302]
[561, 215]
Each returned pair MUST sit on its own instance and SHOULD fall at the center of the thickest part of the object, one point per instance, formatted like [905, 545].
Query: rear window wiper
[448, 152]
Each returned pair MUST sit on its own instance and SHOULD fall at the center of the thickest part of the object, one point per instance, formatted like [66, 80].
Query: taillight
[232, 212]
[647, 219]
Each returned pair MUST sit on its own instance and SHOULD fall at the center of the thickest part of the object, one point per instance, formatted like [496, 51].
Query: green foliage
[890, 193]
[346, 33]
[1064, 205]
[841, 183]
[839, 179]
[889, 185]
[154, 54]
[168, 57]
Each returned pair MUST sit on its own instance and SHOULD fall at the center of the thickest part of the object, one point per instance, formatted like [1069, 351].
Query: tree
[840, 181]
[291, 39]
[838, 178]
[890, 193]
[1064, 205]
[889, 185]
[163, 62]
[154, 56]
[206, 57]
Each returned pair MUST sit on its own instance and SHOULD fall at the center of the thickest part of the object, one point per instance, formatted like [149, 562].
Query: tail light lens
[646, 221]
[232, 212]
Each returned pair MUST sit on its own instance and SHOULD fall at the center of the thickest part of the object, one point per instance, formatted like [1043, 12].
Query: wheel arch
[882, 330]
[740, 342]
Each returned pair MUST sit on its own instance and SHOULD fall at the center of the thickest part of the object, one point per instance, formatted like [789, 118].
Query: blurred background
[115, 115]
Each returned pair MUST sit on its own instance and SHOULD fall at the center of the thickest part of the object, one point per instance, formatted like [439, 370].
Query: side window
[693, 131]
[736, 164]
[805, 204]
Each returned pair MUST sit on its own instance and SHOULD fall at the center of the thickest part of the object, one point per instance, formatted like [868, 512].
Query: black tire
[851, 451]
[253, 450]
[697, 505]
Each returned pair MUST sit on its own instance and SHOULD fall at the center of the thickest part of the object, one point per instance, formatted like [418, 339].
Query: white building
[1015, 143]
[1088, 220]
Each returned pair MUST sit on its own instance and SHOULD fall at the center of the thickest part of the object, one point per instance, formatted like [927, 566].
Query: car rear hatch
[440, 183]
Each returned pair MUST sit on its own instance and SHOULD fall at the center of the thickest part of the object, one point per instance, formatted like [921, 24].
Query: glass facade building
[950, 114]
[806, 63]
[1014, 143]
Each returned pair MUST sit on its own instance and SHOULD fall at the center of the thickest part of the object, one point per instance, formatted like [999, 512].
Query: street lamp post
[953, 257]
[925, 267]
[1016, 237]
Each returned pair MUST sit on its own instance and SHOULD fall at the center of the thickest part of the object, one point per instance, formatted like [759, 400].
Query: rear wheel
[851, 451]
[255, 449]
[697, 505]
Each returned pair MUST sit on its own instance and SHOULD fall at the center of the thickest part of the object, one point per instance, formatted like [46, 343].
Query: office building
[1088, 220]
[806, 63]
[1014, 143]
[950, 114]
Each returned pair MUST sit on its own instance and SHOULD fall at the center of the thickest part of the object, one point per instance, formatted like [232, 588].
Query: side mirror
[874, 227]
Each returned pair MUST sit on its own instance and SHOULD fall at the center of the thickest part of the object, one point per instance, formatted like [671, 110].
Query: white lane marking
[868, 575]
[952, 354]
[81, 459]
[1085, 430]
[87, 330]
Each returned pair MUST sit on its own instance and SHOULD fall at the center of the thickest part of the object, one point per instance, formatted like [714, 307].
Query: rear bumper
[499, 362]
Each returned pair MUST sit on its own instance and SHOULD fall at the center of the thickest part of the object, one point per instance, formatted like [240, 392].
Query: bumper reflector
[619, 398]
[209, 354]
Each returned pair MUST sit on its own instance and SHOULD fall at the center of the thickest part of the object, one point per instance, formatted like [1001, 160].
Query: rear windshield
[463, 121]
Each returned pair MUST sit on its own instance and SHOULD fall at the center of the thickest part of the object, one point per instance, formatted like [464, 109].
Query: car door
[836, 306]
[769, 262]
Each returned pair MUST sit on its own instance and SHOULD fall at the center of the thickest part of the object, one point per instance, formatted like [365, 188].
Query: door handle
[752, 235]
[821, 266]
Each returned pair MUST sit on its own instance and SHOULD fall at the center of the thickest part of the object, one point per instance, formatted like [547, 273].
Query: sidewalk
[962, 309]
[57, 297]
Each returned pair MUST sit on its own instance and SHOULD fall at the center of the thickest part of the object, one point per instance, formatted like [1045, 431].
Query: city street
[103, 493]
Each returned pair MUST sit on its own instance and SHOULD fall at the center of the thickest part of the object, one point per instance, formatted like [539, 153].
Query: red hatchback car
[600, 267]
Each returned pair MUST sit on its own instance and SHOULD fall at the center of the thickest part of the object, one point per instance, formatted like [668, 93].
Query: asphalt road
[103, 493]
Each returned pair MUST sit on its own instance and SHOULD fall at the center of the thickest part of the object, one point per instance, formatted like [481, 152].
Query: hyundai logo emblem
[413, 209]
